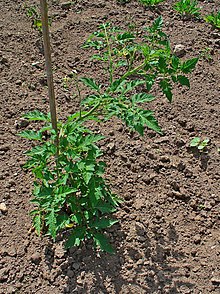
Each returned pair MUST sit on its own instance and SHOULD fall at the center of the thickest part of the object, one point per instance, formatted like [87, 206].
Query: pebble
[5, 147]
[215, 280]
[36, 258]
[197, 239]
[3, 207]
[70, 273]
[179, 50]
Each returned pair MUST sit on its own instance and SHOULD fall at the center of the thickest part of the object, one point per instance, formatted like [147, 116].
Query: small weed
[206, 54]
[33, 13]
[187, 8]
[199, 143]
[213, 19]
[151, 2]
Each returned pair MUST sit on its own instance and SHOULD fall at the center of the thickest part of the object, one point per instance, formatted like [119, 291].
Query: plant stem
[109, 57]
[50, 83]
[133, 71]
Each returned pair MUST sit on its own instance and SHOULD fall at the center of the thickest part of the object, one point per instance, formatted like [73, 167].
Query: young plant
[33, 13]
[70, 192]
[187, 8]
[151, 2]
[199, 143]
[213, 19]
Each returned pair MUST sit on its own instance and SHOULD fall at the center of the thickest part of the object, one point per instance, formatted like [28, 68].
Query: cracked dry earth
[168, 238]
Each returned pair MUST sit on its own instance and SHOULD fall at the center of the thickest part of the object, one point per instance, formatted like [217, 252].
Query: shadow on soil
[148, 272]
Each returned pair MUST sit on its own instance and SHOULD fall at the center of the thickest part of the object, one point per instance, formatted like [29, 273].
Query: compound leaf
[102, 242]
[91, 84]
[37, 115]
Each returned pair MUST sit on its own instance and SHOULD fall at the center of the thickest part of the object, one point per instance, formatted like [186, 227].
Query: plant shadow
[149, 267]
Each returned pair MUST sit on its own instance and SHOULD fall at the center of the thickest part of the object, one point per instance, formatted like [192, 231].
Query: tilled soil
[168, 238]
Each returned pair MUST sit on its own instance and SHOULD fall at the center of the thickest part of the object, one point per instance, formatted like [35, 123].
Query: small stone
[12, 251]
[165, 159]
[179, 50]
[36, 258]
[3, 207]
[5, 147]
[215, 280]
[18, 82]
[197, 239]
[76, 265]
[70, 273]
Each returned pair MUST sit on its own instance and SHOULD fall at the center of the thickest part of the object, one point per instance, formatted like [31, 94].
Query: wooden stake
[47, 54]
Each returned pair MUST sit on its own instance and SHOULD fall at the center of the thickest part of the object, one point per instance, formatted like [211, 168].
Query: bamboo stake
[47, 54]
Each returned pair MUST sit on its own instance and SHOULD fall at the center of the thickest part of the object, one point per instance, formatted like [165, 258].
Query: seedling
[187, 8]
[205, 54]
[199, 144]
[70, 192]
[213, 19]
[34, 14]
[151, 2]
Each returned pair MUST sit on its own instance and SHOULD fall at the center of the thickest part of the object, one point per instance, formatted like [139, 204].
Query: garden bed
[167, 239]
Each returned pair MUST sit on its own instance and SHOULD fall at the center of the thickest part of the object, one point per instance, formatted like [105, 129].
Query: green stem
[133, 71]
[89, 112]
[109, 56]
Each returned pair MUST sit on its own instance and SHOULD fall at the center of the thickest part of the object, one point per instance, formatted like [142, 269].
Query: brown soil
[168, 240]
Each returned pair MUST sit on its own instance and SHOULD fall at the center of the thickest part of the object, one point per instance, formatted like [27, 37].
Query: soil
[168, 238]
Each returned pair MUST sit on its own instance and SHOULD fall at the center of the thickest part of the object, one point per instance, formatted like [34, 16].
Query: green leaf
[151, 122]
[102, 242]
[189, 65]
[37, 150]
[103, 223]
[91, 84]
[142, 97]
[31, 135]
[52, 223]
[75, 237]
[105, 207]
[37, 115]
[150, 79]
[184, 81]
[62, 220]
[166, 88]
[195, 142]
[157, 24]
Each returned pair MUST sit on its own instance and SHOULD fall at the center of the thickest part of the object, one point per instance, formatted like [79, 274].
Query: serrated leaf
[151, 122]
[103, 242]
[75, 237]
[166, 88]
[103, 223]
[184, 81]
[189, 65]
[37, 115]
[142, 98]
[31, 135]
[105, 207]
[91, 84]
[157, 24]
[62, 221]
[37, 150]
[52, 223]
